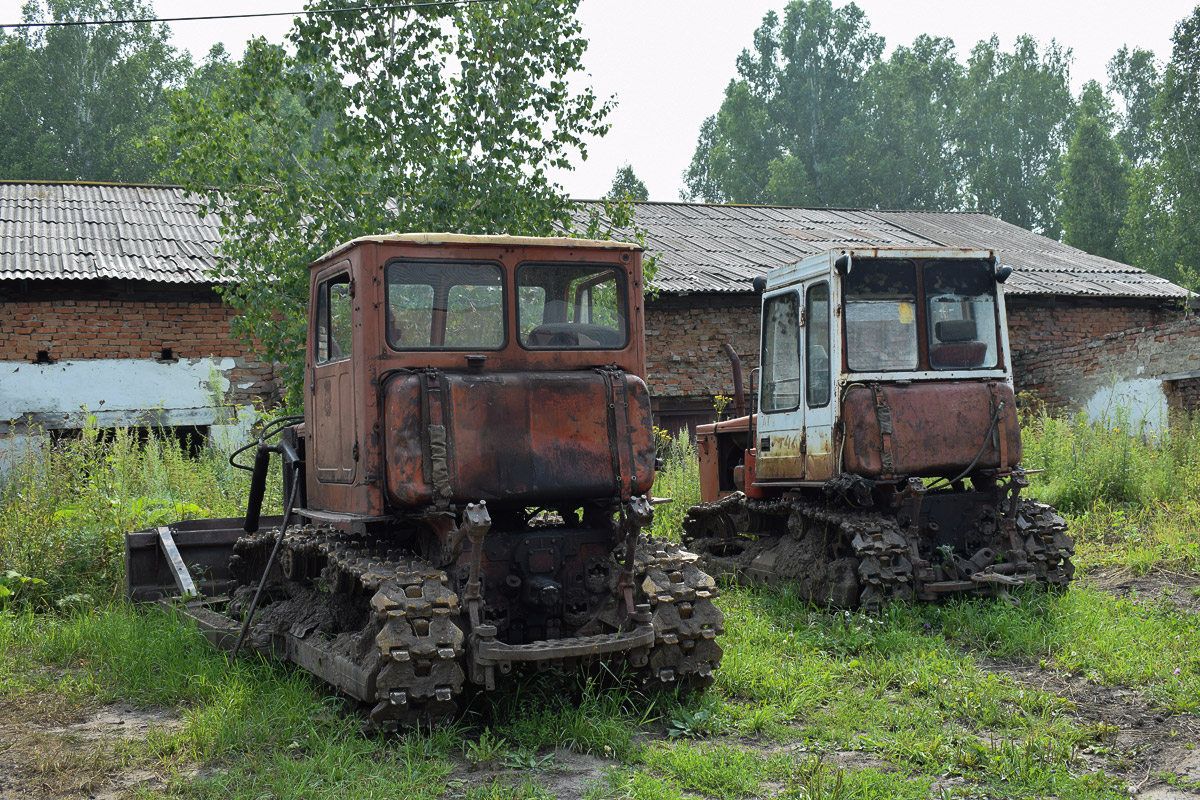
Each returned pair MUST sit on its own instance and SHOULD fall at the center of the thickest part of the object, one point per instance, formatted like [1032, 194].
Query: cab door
[333, 415]
[780, 432]
[820, 462]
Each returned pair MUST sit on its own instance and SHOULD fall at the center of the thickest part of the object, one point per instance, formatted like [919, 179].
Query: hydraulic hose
[270, 430]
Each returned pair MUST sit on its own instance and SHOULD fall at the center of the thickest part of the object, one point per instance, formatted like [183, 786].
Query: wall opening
[1183, 395]
[43, 357]
[190, 438]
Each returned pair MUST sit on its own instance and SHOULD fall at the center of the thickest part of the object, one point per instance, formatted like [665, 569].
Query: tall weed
[65, 507]
[1112, 460]
[679, 480]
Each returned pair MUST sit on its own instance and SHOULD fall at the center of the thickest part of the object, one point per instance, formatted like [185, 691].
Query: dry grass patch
[53, 747]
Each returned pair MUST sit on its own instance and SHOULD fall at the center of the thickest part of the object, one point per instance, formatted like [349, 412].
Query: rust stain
[785, 459]
[818, 460]
[937, 428]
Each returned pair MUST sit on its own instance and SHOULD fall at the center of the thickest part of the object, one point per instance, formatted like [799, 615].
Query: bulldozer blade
[202, 548]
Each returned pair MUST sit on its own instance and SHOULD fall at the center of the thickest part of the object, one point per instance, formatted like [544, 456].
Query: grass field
[1092, 693]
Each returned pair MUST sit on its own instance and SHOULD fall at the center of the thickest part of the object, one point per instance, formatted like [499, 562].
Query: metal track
[685, 619]
[866, 558]
[412, 644]
[410, 657]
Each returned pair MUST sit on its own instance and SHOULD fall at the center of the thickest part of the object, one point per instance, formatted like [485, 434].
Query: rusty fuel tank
[937, 429]
[532, 437]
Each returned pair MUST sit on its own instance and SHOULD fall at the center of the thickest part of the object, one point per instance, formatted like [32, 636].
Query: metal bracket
[179, 570]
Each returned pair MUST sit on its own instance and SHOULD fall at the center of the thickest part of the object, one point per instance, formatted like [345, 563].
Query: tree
[1133, 76]
[1014, 121]
[1094, 190]
[1160, 231]
[439, 117]
[79, 102]
[787, 130]
[626, 185]
[737, 145]
[906, 153]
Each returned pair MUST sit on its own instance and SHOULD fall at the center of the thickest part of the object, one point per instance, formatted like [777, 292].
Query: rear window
[571, 306]
[444, 304]
[881, 316]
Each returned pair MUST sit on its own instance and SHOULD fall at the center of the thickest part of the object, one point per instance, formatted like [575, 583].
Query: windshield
[881, 319]
[961, 314]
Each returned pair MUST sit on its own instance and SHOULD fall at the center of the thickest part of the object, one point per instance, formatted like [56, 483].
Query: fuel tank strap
[437, 464]
[1001, 427]
[617, 401]
[883, 413]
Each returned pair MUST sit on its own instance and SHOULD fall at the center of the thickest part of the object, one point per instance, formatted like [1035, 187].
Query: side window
[333, 319]
[816, 351]
[781, 353]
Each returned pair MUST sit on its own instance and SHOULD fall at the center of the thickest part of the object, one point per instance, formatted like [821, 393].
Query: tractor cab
[883, 363]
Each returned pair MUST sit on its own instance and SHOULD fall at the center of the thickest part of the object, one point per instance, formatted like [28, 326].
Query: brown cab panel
[938, 428]
[721, 447]
[518, 437]
[819, 458]
[780, 456]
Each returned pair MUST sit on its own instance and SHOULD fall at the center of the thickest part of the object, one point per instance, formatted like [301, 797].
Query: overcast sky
[668, 61]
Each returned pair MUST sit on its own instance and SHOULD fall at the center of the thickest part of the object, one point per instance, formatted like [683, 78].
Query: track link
[412, 641]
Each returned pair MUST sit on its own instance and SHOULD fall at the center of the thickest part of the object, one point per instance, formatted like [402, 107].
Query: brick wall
[72, 321]
[1040, 321]
[1070, 376]
[1183, 396]
[686, 362]
[685, 356]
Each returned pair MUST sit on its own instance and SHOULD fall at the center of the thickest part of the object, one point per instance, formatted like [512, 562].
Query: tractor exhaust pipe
[739, 395]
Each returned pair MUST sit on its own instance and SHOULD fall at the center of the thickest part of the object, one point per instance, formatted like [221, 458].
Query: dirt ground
[50, 749]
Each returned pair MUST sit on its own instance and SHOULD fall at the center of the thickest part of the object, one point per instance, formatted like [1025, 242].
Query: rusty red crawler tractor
[473, 469]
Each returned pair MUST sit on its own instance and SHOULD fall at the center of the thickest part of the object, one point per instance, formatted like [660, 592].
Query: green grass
[273, 730]
[1106, 639]
[808, 703]
[914, 695]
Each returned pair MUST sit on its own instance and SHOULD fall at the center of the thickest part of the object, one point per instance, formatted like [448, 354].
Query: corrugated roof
[155, 233]
[77, 231]
[720, 248]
